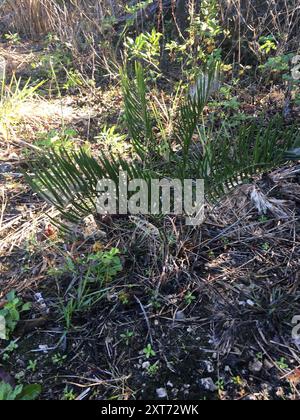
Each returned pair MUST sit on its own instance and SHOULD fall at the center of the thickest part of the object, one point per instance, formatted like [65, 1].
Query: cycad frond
[137, 114]
[68, 180]
[257, 148]
[293, 154]
[191, 112]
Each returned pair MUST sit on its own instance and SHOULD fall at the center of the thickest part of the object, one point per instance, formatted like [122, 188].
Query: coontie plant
[68, 179]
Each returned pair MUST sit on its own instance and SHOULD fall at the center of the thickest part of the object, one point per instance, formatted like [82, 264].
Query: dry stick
[4, 204]
[96, 383]
[24, 143]
[146, 319]
[83, 395]
[240, 36]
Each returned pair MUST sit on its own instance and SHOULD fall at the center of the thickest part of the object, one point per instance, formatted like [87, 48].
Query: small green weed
[19, 393]
[12, 312]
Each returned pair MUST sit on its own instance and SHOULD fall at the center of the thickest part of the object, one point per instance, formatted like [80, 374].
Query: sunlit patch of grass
[12, 97]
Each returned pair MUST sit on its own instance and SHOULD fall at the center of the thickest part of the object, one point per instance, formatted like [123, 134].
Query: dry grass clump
[30, 17]
[34, 18]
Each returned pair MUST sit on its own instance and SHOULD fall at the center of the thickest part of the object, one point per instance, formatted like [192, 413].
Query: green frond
[191, 112]
[226, 161]
[68, 180]
[137, 114]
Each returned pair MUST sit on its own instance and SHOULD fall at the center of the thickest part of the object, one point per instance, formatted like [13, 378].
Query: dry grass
[37, 17]
[78, 24]
[249, 20]
[29, 17]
